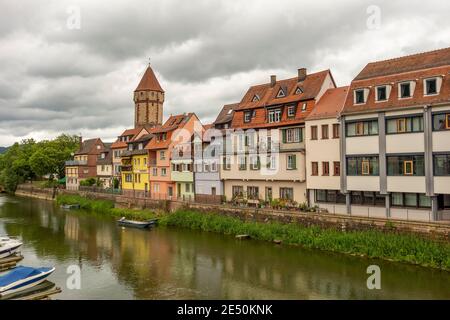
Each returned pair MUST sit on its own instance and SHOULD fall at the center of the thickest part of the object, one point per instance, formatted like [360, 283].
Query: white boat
[22, 278]
[9, 246]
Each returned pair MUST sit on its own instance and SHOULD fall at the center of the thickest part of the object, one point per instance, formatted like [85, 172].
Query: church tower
[148, 100]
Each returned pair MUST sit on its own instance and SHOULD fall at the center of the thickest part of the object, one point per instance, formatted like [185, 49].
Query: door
[213, 191]
[179, 190]
[170, 191]
[268, 193]
[146, 189]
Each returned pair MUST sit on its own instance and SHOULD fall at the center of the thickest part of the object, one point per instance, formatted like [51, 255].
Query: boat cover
[20, 273]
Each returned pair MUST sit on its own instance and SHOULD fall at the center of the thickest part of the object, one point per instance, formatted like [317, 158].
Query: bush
[88, 182]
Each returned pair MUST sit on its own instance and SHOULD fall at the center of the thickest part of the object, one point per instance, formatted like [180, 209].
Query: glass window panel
[321, 195]
[424, 201]
[439, 122]
[391, 126]
[351, 129]
[397, 199]
[410, 199]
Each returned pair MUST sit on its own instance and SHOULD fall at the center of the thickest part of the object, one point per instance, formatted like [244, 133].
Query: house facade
[265, 153]
[134, 168]
[105, 167]
[176, 130]
[84, 164]
[323, 158]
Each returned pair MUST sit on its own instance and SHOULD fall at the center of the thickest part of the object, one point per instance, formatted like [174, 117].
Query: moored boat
[22, 278]
[136, 224]
[9, 246]
[70, 206]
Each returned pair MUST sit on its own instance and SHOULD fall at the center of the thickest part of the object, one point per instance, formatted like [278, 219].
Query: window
[362, 128]
[252, 193]
[291, 111]
[292, 135]
[359, 96]
[313, 132]
[336, 168]
[272, 162]
[291, 162]
[405, 165]
[336, 127]
[226, 163]
[405, 90]
[287, 193]
[431, 86]
[188, 187]
[415, 200]
[381, 93]
[155, 171]
[238, 191]
[162, 155]
[242, 162]
[441, 121]
[298, 90]
[357, 166]
[325, 168]
[128, 177]
[254, 162]
[441, 164]
[367, 198]
[314, 168]
[331, 196]
[140, 146]
[163, 172]
[324, 131]
[407, 124]
[247, 116]
[255, 98]
[304, 107]
[156, 187]
[274, 115]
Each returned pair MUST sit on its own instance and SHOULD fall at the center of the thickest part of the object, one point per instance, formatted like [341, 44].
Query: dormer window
[281, 94]
[140, 146]
[255, 98]
[431, 86]
[382, 93]
[274, 115]
[304, 107]
[230, 111]
[405, 90]
[359, 96]
[130, 147]
[298, 90]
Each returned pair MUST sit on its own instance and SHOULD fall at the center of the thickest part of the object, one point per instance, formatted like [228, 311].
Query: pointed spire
[149, 81]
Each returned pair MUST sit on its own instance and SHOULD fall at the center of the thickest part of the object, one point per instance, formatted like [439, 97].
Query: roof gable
[149, 82]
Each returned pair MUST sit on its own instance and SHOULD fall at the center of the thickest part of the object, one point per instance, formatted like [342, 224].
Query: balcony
[182, 176]
[76, 163]
[126, 168]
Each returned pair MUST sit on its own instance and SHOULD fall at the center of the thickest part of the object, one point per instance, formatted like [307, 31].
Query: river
[172, 263]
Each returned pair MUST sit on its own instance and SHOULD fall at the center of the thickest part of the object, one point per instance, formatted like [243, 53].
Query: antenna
[149, 60]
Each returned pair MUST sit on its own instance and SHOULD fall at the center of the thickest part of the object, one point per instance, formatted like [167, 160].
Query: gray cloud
[205, 54]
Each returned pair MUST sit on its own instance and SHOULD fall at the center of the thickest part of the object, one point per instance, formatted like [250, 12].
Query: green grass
[105, 207]
[407, 248]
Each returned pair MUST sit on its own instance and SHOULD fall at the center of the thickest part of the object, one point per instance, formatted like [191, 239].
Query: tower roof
[149, 82]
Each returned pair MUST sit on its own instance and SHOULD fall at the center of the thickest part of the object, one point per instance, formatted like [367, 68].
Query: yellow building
[134, 169]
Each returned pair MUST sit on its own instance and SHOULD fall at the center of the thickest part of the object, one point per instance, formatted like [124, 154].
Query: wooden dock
[42, 291]
[9, 262]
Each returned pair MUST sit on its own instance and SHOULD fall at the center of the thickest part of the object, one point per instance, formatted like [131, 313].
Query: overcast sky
[61, 74]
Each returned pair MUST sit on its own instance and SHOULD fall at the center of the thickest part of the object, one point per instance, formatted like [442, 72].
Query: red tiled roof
[418, 98]
[173, 123]
[133, 133]
[424, 60]
[149, 82]
[268, 95]
[330, 104]
[225, 115]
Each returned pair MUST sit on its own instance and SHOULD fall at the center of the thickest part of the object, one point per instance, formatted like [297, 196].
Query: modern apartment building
[265, 157]
[394, 142]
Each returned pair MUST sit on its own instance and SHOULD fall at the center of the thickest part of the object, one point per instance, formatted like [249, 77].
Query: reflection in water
[119, 263]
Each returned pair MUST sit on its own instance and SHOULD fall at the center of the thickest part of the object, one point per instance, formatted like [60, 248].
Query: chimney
[273, 80]
[301, 74]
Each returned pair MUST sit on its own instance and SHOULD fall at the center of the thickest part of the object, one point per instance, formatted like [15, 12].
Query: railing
[76, 163]
[126, 168]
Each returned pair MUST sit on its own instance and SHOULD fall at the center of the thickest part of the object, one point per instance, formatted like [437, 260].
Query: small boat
[136, 224]
[70, 206]
[22, 278]
[9, 246]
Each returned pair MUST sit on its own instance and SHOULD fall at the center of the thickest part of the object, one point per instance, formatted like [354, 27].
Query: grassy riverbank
[374, 244]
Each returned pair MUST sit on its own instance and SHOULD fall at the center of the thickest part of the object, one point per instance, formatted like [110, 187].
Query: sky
[72, 66]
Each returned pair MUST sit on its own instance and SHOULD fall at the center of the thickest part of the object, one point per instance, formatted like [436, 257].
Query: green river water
[166, 263]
